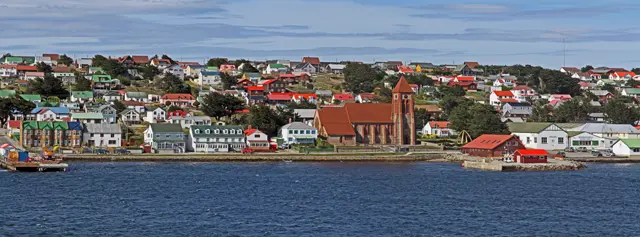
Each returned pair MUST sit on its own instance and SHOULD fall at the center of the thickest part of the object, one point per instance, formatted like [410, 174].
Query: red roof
[339, 120]
[503, 93]
[52, 56]
[623, 74]
[488, 141]
[465, 78]
[286, 75]
[132, 103]
[405, 69]
[267, 82]
[461, 83]
[521, 87]
[61, 69]
[255, 88]
[8, 66]
[367, 96]
[532, 152]
[182, 96]
[188, 63]
[311, 60]
[439, 124]
[471, 64]
[27, 68]
[508, 100]
[561, 96]
[402, 86]
[140, 59]
[343, 97]
[180, 113]
[304, 96]
[279, 97]
[14, 123]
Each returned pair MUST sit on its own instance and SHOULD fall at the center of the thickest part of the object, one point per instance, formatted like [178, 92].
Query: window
[528, 140]
[535, 140]
[207, 131]
[225, 131]
[636, 149]
[239, 131]
[113, 135]
[197, 131]
[101, 135]
[233, 131]
[544, 140]
[257, 135]
[308, 132]
[112, 142]
[313, 131]
[561, 140]
[217, 131]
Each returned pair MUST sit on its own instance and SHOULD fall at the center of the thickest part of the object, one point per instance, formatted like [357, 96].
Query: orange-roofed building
[256, 139]
[314, 61]
[180, 100]
[497, 98]
[405, 70]
[367, 123]
[530, 156]
[464, 79]
[439, 129]
[492, 145]
[312, 98]
[619, 76]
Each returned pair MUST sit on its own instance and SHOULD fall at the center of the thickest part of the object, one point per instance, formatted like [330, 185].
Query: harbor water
[318, 199]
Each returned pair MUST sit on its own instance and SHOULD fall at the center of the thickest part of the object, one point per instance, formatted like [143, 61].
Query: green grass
[327, 81]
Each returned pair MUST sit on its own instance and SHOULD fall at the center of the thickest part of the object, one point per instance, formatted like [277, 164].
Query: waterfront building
[216, 138]
[585, 140]
[49, 134]
[102, 135]
[547, 136]
[189, 120]
[371, 123]
[298, 133]
[438, 128]
[626, 147]
[165, 138]
[492, 145]
[256, 139]
[530, 156]
[109, 113]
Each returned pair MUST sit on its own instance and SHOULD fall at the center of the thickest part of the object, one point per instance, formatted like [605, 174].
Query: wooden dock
[33, 166]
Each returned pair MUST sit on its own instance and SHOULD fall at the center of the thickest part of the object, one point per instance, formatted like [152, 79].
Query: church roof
[340, 120]
[402, 86]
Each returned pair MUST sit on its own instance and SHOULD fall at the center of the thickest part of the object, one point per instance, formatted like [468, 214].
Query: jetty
[34, 166]
[14, 159]
[499, 165]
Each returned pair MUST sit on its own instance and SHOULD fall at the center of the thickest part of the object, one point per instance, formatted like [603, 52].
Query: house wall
[535, 140]
[621, 149]
[341, 140]
[102, 139]
[530, 159]
[579, 141]
[290, 138]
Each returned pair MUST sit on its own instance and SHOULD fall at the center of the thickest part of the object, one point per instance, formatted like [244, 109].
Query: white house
[335, 68]
[155, 115]
[305, 67]
[176, 70]
[7, 70]
[589, 141]
[130, 116]
[523, 93]
[89, 118]
[188, 121]
[298, 133]
[276, 68]
[438, 128]
[49, 113]
[620, 76]
[111, 96]
[546, 136]
[256, 139]
[609, 131]
[498, 97]
[626, 147]
[102, 135]
[209, 78]
[215, 138]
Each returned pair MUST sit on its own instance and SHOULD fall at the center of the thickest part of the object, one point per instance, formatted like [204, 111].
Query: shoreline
[258, 158]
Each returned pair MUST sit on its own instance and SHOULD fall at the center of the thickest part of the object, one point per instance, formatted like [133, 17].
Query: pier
[501, 166]
[33, 166]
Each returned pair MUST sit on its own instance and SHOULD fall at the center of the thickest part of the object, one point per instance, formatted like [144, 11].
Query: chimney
[289, 120]
[249, 127]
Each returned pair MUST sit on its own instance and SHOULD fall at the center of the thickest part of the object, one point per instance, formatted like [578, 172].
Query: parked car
[560, 155]
[569, 149]
[582, 149]
[102, 151]
[247, 150]
[122, 151]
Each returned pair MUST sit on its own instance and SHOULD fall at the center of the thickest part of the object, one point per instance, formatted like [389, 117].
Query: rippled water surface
[318, 199]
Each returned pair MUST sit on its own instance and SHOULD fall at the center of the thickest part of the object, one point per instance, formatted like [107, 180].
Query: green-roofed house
[31, 98]
[13, 60]
[7, 93]
[216, 138]
[104, 82]
[627, 147]
[211, 68]
[90, 117]
[40, 134]
[81, 96]
[276, 68]
[631, 92]
[547, 136]
[165, 137]
[589, 141]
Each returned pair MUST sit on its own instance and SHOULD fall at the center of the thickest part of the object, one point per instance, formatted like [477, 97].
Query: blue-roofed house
[209, 78]
[50, 114]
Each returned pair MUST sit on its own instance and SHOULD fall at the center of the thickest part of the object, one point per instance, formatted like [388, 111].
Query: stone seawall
[256, 158]
[553, 165]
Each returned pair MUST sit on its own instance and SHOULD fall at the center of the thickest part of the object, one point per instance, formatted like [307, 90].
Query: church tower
[404, 125]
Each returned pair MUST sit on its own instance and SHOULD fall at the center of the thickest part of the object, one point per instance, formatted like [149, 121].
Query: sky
[550, 33]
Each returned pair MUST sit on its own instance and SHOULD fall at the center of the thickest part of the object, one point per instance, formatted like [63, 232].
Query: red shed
[530, 156]
[492, 145]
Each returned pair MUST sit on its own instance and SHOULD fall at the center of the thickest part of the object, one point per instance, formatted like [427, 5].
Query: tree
[383, 95]
[636, 70]
[541, 112]
[166, 57]
[216, 62]
[618, 112]
[247, 67]
[82, 83]
[477, 119]
[358, 78]
[454, 91]
[228, 81]
[586, 68]
[171, 84]
[65, 60]
[218, 106]
[632, 83]
[148, 72]
[304, 104]
[556, 82]
[43, 67]
[574, 110]
[5, 110]
[49, 86]
[420, 79]
[609, 88]
[114, 68]
[22, 106]
[421, 116]
[173, 108]
[267, 120]
[119, 106]
[99, 60]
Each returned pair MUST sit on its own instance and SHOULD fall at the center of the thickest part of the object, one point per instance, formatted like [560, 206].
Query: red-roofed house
[466, 85]
[492, 145]
[438, 128]
[180, 100]
[22, 69]
[522, 93]
[464, 79]
[365, 97]
[560, 97]
[618, 76]
[53, 56]
[274, 85]
[405, 70]
[179, 113]
[312, 98]
[244, 83]
[314, 61]
[370, 123]
[499, 97]
[277, 98]
[13, 127]
[227, 67]
[256, 139]
[471, 64]
[140, 59]
[343, 97]
[160, 63]
[530, 156]
[288, 78]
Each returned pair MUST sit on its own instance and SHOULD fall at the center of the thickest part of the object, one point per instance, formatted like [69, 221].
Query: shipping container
[23, 156]
[13, 156]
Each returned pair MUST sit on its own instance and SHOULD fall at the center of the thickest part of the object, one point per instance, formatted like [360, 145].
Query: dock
[501, 166]
[34, 166]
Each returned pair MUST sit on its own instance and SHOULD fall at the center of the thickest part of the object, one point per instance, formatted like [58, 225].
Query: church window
[395, 96]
